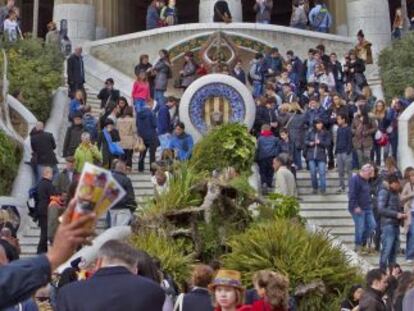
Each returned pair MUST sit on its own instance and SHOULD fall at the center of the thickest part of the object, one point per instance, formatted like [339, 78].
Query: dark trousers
[73, 87]
[266, 171]
[127, 157]
[42, 246]
[152, 149]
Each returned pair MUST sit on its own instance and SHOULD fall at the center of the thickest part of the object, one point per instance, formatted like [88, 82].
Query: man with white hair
[87, 152]
[115, 285]
[360, 206]
[76, 72]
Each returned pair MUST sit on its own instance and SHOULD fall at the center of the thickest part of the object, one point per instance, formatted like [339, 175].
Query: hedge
[10, 156]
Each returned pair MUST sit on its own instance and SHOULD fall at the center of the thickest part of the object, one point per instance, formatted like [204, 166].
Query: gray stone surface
[405, 152]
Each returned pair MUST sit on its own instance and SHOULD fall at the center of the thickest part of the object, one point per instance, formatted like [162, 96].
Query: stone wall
[122, 52]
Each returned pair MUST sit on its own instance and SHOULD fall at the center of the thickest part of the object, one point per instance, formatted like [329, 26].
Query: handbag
[139, 145]
[113, 147]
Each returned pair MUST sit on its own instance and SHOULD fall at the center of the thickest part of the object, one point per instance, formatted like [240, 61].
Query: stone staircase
[330, 212]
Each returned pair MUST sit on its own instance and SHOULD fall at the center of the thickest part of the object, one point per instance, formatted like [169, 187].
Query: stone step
[307, 182]
[327, 198]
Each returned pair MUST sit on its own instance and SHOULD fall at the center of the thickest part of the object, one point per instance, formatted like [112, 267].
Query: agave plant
[316, 268]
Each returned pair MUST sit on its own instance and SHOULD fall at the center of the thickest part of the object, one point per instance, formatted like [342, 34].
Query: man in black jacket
[121, 213]
[43, 145]
[108, 93]
[76, 72]
[371, 300]
[45, 190]
[73, 136]
[391, 212]
[115, 286]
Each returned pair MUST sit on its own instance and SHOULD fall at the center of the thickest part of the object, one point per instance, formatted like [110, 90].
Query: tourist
[296, 126]
[160, 182]
[163, 72]
[337, 71]
[114, 284]
[198, 298]
[153, 16]
[43, 146]
[309, 65]
[164, 122]
[297, 66]
[273, 63]
[145, 66]
[371, 299]
[356, 70]
[315, 112]
[182, 143]
[128, 133]
[363, 130]
[267, 150]
[310, 92]
[189, 72]
[21, 278]
[398, 24]
[360, 206]
[257, 75]
[168, 14]
[4, 12]
[405, 283]
[55, 209]
[147, 130]
[222, 12]
[263, 9]
[227, 291]
[66, 177]
[407, 198]
[381, 142]
[76, 105]
[343, 150]
[363, 49]
[317, 142]
[299, 18]
[273, 289]
[90, 123]
[76, 72]
[238, 72]
[324, 76]
[45, 190]
[73, 136]
[87, 152]
[319, 17]
[285, 182]
[141, 92]
[394, 113]
[107, 144]
[352, 302]
[390, 169]
[121, 213]
[265, 114]
[12, 28]
[53, 35]
[108, 93]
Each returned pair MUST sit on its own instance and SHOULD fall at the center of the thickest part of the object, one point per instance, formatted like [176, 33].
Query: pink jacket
[141, 90]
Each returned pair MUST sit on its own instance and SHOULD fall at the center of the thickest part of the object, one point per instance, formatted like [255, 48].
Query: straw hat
[230, 278]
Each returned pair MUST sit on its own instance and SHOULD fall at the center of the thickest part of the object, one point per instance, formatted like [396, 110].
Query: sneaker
[323, 192]
[340, 190]
[315, 191]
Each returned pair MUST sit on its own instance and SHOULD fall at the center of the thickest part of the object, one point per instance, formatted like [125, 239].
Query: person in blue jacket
[164, 122]
[153, 14]
[182, 143]
[76, 105]
[319, 17]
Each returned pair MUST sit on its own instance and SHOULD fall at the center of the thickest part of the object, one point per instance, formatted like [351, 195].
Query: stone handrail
[405, 152]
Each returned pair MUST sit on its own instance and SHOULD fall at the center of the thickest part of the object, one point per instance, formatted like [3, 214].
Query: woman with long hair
[381, 142]
[128, 134]
[162, 72]
[140, 91]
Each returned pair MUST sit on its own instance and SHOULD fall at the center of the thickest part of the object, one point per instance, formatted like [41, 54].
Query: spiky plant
[307, 258]
[168, 251]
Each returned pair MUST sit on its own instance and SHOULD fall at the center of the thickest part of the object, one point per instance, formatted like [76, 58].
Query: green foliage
[10, 156]
[229, 145]
[168, 251]
[303, 256]
[36, 70]
[397, 66]
[281, 207]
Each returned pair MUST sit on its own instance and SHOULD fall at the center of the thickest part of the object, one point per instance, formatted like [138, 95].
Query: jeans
[159, 97]
[344, 162]
[363, 156]
[120, 217]
[410, 239]
[257, 89]
[316, 167]
[322, 29]
[39, 171]
[266, 171]
[139, 105]
[164, 141]
[390, 241]
[297, 158]
[364, 226]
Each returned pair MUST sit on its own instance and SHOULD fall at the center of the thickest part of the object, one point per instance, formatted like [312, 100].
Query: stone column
[80, 15]
[206, 10]
[373, 17]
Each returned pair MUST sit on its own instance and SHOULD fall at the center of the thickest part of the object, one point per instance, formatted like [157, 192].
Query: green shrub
[168, 251]
[281, 207]
[36, 70]
[397, 66]
[10, 156]
[293, 251]
[225, 146]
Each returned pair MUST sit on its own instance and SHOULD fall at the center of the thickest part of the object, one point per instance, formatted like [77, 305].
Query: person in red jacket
[227, 291]
[273, 289]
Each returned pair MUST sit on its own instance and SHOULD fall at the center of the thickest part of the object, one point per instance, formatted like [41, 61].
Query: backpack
[32, 202]
[90, 126]
[320, 17]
